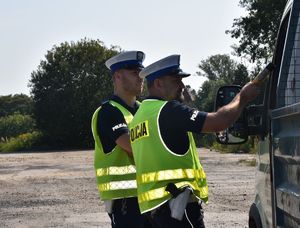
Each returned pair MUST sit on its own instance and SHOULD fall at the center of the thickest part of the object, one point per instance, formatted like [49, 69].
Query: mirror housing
[237, 133]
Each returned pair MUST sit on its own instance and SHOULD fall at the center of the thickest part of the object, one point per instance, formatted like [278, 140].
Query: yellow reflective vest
[115, 171]
[156, 165]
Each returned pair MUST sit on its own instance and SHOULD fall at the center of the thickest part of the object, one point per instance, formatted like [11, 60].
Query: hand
[188, 96]
[249, 92]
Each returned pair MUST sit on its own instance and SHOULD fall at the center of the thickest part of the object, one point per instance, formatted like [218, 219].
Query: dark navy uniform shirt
[112, 124]
[175, 120]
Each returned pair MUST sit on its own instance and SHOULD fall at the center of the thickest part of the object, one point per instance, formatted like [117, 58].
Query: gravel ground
[58, 189]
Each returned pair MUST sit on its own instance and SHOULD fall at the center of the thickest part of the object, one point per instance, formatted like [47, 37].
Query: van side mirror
[237, 133]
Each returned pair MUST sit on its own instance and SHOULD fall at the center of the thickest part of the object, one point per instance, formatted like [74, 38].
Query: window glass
[288, 90]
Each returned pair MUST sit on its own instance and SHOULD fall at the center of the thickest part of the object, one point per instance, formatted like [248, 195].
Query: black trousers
[193, 217]
[126, 214]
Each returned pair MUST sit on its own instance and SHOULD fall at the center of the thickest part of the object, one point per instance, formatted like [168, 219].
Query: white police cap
[128, 59]
[166, 66]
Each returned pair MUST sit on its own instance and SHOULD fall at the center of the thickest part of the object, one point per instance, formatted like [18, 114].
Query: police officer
[113, 162]
[171, 181]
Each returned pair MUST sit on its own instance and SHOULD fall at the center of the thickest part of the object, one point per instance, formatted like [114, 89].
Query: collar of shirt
[132, 110]
[154, 97]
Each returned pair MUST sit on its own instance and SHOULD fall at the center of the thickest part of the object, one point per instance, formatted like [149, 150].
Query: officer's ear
[117, 75]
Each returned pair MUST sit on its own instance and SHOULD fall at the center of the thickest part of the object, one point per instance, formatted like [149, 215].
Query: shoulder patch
[194, 115]
[118, 126]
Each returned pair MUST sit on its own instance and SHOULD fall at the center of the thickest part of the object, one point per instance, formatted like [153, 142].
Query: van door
[285, 126]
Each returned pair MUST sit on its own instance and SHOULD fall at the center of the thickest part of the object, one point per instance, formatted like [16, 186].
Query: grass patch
[248, 147]
[245, 148]
[248, 162]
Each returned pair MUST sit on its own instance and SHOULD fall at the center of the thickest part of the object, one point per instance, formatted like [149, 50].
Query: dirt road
[58, 189]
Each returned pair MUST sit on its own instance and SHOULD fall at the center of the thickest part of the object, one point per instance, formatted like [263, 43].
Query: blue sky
[195, 29]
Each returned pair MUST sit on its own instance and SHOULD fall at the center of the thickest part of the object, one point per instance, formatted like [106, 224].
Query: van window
[288, 89]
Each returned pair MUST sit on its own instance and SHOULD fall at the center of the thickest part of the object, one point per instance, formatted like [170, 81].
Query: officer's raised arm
[228, 114]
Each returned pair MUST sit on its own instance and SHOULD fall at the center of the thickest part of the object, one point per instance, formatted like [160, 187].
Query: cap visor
[135, 67]
[183, 74]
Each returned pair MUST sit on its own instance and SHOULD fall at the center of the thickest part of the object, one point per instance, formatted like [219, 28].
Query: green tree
[257, 30]
[218, 67]
[67, 87]
[18, 103]
[240, 75]
[206, 95]
[220, 70]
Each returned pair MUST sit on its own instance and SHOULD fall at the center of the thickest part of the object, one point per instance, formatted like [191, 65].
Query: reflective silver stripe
[116, 170]
[116, 185]
[172, 175]
[160, 192]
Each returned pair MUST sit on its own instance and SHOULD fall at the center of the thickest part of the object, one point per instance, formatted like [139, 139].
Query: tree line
[72, 81]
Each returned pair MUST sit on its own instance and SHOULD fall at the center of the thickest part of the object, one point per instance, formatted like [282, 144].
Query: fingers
[188, 96]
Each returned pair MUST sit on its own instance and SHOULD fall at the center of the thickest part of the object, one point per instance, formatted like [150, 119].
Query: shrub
[22, 142]
[204, 140]
[16, 124]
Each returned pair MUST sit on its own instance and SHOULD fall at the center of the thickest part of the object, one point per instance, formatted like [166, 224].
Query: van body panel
[263, 183]
[285, 128]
